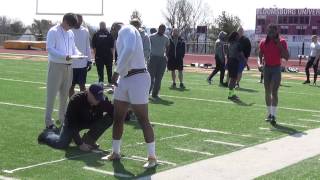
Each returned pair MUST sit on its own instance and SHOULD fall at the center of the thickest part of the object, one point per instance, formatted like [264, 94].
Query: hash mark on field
[107, 172]
[309, 120]
[194, 151]
[170, 137]
[159, 161]
[225, 143]
[266, 129]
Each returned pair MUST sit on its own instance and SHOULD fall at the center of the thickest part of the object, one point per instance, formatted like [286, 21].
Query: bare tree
[41, 27]
[170, 12]
[227, 23]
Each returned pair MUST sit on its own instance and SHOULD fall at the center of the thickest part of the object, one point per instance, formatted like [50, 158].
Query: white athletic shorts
[133, 89]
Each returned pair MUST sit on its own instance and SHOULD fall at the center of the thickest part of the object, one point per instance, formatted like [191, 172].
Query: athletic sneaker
[182, 86]
[174, 85]
[224, 84]
[53, 128]
[306, 82]
[152, 162]
[233, 98]
[268, 118]
[111, 157]
[273, 121]
[209, 81]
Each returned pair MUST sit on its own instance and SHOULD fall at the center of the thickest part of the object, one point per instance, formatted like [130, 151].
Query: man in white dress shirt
[132, 82]
[81, 66]
[60, 46]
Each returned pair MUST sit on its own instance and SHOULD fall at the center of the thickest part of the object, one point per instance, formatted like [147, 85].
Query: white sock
[116, 146]
[151, 147]
[269, 109]
[274, 110]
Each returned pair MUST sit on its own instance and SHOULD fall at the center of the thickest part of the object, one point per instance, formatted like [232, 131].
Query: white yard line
[316, 115]
[195, 99]
[309, 120]
[225, 143]
[265, 129]
[17, 54]
[43, 163]
[191, 128]
[193, 151]
[159, 161]
[171, 137]
[7, 178]
[294, 125]
[251, 162]
[107, 172]
[22, 81]
[24, 106]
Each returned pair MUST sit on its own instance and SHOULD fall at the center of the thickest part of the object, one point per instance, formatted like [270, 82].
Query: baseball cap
[97, 91]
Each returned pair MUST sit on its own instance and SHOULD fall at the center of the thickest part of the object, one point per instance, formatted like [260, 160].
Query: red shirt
[271, 52]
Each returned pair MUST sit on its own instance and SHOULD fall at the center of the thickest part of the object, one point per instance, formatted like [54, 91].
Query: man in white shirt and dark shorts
[81, 66]
[313, 60]
[132, 82]
[61, 47]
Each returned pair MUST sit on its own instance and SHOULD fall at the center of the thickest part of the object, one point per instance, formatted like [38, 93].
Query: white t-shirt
[130, 50]
[82, 41]
[315, 49]
[60, 44]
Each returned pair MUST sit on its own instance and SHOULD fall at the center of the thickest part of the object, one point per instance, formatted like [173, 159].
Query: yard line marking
[25, 106]
[17, 54]
[197, 99]
[107, 172]
[17, 80]
[225, 143]
[316, 115]
[41, 164]
[191, 128]
[7, 178]
[294, 125]
[309, 120]
[229, 102]
[193, 151]
[266, 129]
[159, 161]
[171, 137]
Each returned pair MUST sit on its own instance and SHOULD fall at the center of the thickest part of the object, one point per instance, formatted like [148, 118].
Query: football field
[190, 125]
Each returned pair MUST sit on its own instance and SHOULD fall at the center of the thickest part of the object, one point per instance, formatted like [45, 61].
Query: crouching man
[86, 110]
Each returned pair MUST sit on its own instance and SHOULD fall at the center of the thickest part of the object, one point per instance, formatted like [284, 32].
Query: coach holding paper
[60, 46]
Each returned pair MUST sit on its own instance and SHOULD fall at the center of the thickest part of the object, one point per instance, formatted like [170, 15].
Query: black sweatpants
[220, 66]
[315, 68]
[100, 63]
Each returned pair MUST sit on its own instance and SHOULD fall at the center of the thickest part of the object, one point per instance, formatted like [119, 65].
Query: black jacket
[176, 52]
[103, 42]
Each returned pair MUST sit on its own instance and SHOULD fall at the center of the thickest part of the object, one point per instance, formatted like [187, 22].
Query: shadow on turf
[91, 159]
[179, 89]
[241, 103]
[160, 101]
[290, 131]
[247, 90]
[118, 167]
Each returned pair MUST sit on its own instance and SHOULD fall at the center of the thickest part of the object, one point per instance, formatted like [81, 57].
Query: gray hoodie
[219, 50]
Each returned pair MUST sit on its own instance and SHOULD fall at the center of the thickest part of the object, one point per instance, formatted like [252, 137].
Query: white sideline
[17, 80]
[17, 54]
[193, 151]
[309, 120]
[225, 143]
[107, 172]
[251, 162]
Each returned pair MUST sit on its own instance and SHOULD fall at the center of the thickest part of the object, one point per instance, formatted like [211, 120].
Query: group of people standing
[231, 53]
[141, 61]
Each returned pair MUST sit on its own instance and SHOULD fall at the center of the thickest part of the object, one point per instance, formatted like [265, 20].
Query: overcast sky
[151, 10]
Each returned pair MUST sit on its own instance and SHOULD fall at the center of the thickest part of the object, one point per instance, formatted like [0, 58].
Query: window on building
[302, 20]
[306, 19]
[290, 20]
[314, 32]
[284, 20]
[284, 31]
[295, 19]
[301, 31]
[261, 22]
[280, 20]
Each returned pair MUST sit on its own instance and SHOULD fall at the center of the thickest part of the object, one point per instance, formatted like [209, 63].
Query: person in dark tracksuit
[176, 52]
[220, 58]
[86, 110]
[103, 47]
